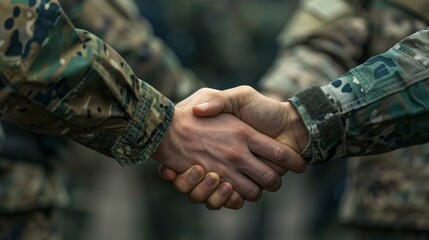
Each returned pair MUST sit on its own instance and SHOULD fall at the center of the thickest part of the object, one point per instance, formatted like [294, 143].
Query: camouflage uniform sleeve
[376, 107]
[59, 80]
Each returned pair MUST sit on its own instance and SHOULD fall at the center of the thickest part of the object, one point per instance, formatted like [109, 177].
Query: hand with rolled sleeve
[59, 80]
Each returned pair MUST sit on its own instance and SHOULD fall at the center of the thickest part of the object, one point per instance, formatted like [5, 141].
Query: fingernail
[194, 176]
[224, 190]
[210, 181]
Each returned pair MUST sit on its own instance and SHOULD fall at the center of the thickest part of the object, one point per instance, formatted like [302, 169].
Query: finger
[186, 181]
[204, 189]
[166, 173]
[210, 108]
[266, 177]
[247, 186]
[279, 169]
[227, 101]
[217, 103]
[235, 201]
[219, 197]
[276, 152]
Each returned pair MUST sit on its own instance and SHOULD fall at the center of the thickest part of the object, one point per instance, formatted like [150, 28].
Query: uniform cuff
[324, 124]
[143, 134]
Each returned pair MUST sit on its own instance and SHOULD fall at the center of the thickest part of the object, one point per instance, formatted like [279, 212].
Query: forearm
[63, 81]
[379, 106]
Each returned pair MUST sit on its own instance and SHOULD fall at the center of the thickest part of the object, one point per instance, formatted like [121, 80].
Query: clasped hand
[243, 140]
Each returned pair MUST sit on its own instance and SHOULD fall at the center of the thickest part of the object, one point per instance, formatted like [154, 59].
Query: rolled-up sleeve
[59, 80]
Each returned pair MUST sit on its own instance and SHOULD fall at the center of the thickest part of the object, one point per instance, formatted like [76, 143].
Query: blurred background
[227, 42]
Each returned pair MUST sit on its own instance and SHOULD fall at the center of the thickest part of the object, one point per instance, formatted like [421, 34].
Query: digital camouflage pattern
[321, 43]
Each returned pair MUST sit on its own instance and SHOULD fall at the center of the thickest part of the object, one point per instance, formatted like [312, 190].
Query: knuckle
[271, 180]
[203, 90]
[245, 131]
[280, 154]
[236, 153]
[246, 89]
[247, 92]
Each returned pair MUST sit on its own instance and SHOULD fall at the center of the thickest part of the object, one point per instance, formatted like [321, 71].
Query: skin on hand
[225, 145]
[214, 196]
[285, 123]
[279, 120]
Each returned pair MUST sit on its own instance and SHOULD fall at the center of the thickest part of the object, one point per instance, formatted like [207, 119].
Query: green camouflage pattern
[376, 104]
[63, 81]
[47, 87]
[323, 42]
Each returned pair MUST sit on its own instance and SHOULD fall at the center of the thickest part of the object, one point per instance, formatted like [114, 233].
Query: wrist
[168, 142]
[297, 127]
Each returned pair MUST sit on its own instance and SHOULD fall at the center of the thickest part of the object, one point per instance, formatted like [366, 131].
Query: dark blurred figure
[30, 184]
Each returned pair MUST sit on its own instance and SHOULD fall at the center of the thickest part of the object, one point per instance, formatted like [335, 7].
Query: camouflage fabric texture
[320, 44]
[85, 91]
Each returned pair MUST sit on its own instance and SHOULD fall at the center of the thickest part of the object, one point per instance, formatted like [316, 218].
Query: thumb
[227, 101]
[210, 108]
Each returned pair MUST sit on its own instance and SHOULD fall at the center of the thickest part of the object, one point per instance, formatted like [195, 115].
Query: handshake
[224, 147]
